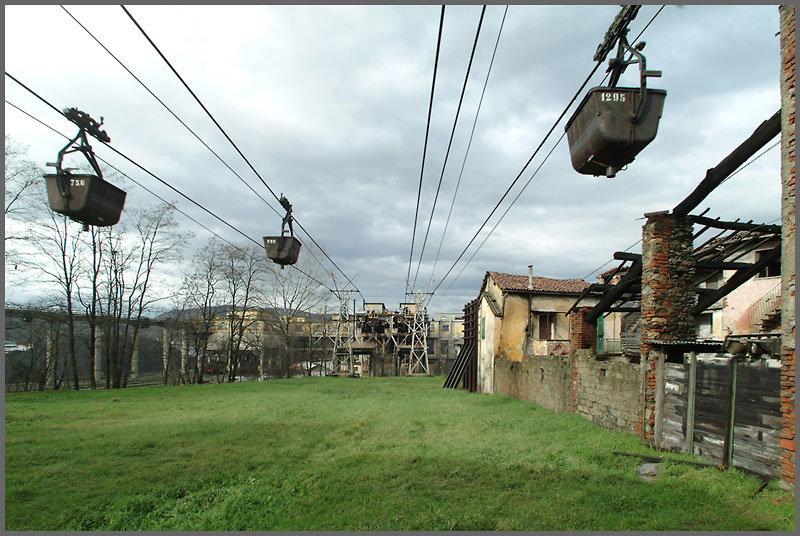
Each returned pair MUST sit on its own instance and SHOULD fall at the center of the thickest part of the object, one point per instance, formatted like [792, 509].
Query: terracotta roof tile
[511, 283]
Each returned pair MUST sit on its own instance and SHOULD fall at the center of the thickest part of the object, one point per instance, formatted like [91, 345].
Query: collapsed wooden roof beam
[736, 280]
[714, 176]
[633, 275]
[735, 225]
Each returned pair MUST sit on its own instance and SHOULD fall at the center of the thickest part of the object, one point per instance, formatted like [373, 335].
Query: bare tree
[242, 271]
[91, 304]
[202, 291]
[23, 180]
[56, 255]
[291, 293]
[128, 267]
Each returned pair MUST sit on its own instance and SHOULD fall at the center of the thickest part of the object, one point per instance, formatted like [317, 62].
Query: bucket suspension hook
[287, 220]
[618, 65]
[85, 124]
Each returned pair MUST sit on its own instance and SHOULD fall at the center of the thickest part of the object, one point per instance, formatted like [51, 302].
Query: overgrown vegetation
[346, 454]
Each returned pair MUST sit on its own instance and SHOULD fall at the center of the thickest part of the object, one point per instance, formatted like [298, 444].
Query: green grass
[346, 454]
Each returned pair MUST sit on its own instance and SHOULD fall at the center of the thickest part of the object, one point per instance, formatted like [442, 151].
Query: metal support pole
[690, 403]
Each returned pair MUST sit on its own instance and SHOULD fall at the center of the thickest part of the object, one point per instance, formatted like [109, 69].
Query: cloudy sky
[329, 104]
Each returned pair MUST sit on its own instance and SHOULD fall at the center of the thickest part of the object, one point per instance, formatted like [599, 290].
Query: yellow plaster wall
[512, 334]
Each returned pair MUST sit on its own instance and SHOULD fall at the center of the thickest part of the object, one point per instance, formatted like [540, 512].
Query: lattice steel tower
[418, 357]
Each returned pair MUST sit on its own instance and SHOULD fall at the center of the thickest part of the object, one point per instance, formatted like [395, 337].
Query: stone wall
[668, 298]
[787, 23]
[608, 394]
[543, 380]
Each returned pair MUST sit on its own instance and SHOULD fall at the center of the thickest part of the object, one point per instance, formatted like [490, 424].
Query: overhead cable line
[171, 204]
[165, 183]
[597, 65]
[169, 109]
[311, 252]
[508, 208]
[728, 177]
[450, 143]
[349, 280]
[425, 149]
[469, 145]
[518, 175]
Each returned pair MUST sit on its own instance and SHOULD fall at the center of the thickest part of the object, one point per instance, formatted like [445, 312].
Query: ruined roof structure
[519, 283]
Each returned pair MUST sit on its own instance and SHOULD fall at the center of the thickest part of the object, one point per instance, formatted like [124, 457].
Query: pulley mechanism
[283, 249]
[613, 124]
[84, 197]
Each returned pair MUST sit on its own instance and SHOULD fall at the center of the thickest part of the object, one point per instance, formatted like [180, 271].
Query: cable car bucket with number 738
[84, 197]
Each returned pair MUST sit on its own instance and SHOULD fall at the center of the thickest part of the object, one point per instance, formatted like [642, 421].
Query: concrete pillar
[184, 356]
[787, 23]
[668, 298]
[166, 336]
[98, 355]
[135, 357]
[50, 356]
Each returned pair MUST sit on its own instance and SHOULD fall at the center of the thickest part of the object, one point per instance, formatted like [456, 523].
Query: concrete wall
[488, 339]
[608, 394]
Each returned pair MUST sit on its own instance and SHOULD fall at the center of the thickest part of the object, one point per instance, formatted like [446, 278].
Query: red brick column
[788, 351]
[668, 297]
[582, 336]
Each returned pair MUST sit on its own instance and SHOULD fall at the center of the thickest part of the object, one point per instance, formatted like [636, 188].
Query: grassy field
[346, 454]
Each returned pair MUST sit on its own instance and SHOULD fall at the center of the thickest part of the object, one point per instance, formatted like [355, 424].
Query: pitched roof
[519, 283]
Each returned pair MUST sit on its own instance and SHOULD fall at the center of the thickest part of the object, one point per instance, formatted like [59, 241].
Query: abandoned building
[522, 315]
[689, 343]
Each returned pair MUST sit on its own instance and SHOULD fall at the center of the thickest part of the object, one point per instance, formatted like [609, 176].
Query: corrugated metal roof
[710, 344]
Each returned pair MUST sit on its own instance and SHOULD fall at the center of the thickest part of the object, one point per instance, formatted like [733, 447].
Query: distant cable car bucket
[282, 250]
[603, 135]
[86, 199]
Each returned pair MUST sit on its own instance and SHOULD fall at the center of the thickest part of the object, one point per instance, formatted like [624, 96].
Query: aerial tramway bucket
[602, 134]
[85, 198]
[283, 249]
[613, 124]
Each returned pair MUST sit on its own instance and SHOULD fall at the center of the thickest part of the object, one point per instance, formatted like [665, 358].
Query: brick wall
[668, 297]
[582, 334]
[787, 23]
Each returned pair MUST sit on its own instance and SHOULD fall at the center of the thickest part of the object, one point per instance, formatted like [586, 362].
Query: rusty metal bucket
[282, 250]
[85, 198]
[610, 128]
